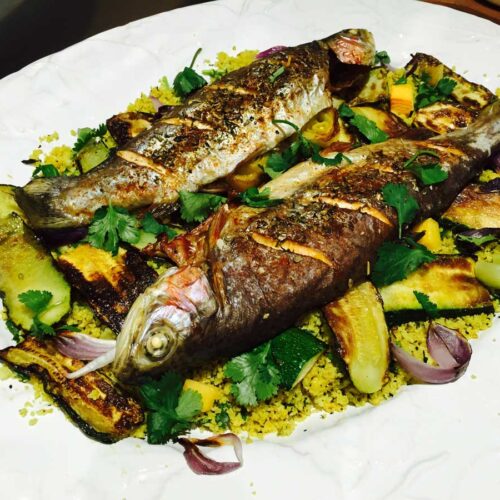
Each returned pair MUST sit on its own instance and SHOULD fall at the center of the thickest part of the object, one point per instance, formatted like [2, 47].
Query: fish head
[161, 320]
[353, 46]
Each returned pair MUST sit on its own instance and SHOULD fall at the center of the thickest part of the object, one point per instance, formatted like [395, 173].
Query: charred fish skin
[266, 267]
[220, 126]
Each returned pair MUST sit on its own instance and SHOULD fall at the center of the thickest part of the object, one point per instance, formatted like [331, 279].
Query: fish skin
[222, 125]
[260, 290]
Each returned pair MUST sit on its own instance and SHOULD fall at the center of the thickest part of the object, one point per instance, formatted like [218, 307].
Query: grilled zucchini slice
[443, 117]
[358, 323]
[449, 282]
[385, 121]
[374, 90]
[8, 204]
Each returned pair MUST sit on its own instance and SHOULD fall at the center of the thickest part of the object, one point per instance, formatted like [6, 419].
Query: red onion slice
[449, 348]
[492, 186]
[97, 363]
[81, 346]
[201, 464]
[270, 51]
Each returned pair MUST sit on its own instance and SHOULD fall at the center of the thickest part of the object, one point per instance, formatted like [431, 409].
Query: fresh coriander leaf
[214, 74]
[395, 261]
[36, 300]
[286, 122]
[17, 334]
[164, 393]
[151, 225]
[477, 240]
[401, 80]
[255, 375]
[427, 173]
[109, 226]
[47, 170]
[85, 135]
[277, 74]
[68, 328]
[382, 57]
[40, 330]
[196, 207]
[428, 306]
[189, 404]
[187, 81]
[258, 199]
[222, 418]
[427, 94]
[329, 162]
[366, 126]
[398, 197]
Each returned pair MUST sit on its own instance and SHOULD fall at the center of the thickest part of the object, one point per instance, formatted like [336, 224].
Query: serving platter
[432, 442]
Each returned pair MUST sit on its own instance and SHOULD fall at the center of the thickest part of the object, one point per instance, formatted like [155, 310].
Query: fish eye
[157, 345]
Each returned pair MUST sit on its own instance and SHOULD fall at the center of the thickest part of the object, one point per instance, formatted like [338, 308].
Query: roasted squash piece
[126, 126]
[443, 117]
[402, 99]
[374, 90]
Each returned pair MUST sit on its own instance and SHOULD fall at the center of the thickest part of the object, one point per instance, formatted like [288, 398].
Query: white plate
[432, 442]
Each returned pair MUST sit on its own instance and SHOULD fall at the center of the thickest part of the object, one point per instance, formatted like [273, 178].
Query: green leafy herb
[17, 334]
[329, 162]
[382, 57]
[477, 240]
[37, 301]
[86, 135]
[109, 226]
[258, 199]
[427, 94]
[196, 207]
[428, 306]
[401, 80]
[40, 330]
[151, 225]
[427, 173]
[395, 261]
[366, 126]
[47, 170]
[255, 376]
[187, 81]
[214, 74]
[222, 418]
[277, 74]
[170, 409]
[68, 328]
[398, 197]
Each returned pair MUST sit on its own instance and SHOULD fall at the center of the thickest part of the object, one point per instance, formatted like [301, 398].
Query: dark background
[31, 29]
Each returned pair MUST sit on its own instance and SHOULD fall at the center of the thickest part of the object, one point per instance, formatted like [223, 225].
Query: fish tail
[42, 203]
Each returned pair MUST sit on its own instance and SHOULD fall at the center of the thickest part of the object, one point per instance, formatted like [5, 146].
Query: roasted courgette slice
[443, 117]
[385, 121]
[449, 283]
[33, 270]
[474, 208]
[93, 402]
[374, 90]
[8, 204]
[358, 323]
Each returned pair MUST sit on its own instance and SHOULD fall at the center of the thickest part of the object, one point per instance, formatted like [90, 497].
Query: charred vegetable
[374, 90]
[444, 117]
[126, 126]
[357, 320]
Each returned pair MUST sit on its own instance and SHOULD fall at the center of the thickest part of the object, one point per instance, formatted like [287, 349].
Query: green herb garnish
[17, 334]
[427, 173]
[222, 418]
[258, 199]
[187, 81]
[151, 225]
[477, 240]
[38, 301]
[366, 126]
[171, 411]
[428, 306]
[401, 80]
[87, 135]
[277, 74]
[427, 94]
[382, 57]
[395, 261]
[47, 170]
[109, 226]
[329, 162]
[214, 74]
[196, 207]
[398, 197]
[255, 375]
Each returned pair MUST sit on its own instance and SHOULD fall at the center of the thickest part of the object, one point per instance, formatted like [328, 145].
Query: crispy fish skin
[266, 267]
[220, 126]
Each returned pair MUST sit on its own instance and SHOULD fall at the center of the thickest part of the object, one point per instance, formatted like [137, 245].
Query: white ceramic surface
[429, 442]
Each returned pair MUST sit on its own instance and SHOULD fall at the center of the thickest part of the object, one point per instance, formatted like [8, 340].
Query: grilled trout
[220, 126]
[262, 268]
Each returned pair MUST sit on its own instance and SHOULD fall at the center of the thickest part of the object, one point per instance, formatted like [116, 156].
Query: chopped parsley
[196, 207]
[214, 74]
[171, 411]
[222, 418]
[395, 261]
[382, 57]
[47, 170]
[276, 74]
[187, 81]
[398, 197]
[109, 226]
[255, 375]
[366, 127]
[427, 94]
[428, 306]
[427, 173]
[258, 199]
[151, 225]
[87, 135]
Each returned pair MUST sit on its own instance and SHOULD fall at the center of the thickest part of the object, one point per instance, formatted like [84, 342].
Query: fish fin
[40, 200]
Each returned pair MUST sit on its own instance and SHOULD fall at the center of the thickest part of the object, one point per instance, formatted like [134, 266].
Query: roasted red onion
[81, 346]
[469, 241]
[270, 51]
[492, 186]
[450, 350]
[201, 464]
[58, 237]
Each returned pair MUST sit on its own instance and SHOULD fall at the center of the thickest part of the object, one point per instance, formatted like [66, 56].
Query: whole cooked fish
[220, 126]
[262, 268]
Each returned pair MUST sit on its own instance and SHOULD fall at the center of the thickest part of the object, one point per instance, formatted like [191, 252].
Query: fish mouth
[161, 320]
[353, 46]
